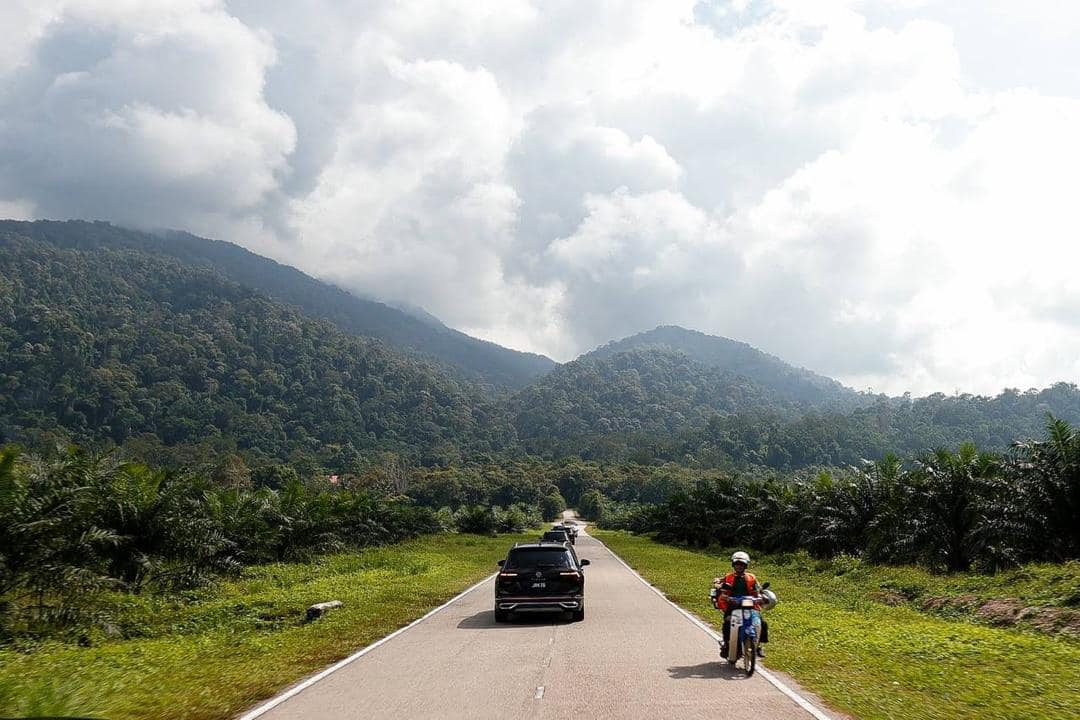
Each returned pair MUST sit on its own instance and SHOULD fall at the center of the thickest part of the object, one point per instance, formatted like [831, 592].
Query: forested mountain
[160, 344]
[472, 358]
[604, 404]
[655, 404]
[803, 387]
[124, 346]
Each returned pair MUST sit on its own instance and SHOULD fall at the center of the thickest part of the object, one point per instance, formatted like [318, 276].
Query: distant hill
[605, 403]
[121, 345]
[676, 395]
[412, 331]
[801, 387]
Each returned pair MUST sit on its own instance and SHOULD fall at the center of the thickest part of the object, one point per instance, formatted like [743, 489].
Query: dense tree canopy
[589, 406]
[455, 352]
[807, 389]
[656, 404]
[134, 349]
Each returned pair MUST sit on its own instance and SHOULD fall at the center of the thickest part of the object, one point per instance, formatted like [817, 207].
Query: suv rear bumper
[539, 604]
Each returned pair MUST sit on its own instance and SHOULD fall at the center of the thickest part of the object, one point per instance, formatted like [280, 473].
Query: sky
[882, 192]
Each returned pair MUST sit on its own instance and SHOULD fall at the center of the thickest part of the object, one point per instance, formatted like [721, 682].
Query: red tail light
[507, 574]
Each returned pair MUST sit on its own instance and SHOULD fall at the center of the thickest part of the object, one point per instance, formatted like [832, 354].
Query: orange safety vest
[729, 580]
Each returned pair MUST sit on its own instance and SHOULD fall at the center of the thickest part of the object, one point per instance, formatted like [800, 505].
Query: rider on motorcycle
[738, 582]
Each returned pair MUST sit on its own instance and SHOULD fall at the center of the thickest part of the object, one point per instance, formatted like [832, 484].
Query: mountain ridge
[473, 358]
[817, 392]
[121, 346]
[666, 395]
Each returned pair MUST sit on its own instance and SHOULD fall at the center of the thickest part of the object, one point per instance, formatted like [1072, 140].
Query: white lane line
[539, 693]
[277, 700]
[799, 699]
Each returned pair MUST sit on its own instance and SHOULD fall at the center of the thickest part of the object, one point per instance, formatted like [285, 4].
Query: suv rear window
[538, 557]
[555, 535]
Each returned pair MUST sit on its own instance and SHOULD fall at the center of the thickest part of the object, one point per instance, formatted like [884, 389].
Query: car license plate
[539, 585]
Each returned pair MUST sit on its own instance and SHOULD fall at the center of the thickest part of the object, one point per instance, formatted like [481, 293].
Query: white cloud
[16, 210]
[148, 113]
[31, 18]
[871, 189]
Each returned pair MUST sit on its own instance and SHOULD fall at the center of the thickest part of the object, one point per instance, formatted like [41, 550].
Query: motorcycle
[742, 631]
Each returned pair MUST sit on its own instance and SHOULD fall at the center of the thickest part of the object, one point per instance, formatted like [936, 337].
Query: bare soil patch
[964, 603]
[1004, 611]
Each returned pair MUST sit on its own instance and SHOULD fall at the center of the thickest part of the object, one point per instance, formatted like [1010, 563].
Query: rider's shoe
[760, 651]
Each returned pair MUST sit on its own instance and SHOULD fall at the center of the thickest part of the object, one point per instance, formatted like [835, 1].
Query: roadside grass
[1050, 592]
[875, 660]
[214, 652]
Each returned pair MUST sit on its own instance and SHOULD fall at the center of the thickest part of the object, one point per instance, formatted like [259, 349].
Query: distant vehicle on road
[556, 535]
[540, 577]
[570, 528]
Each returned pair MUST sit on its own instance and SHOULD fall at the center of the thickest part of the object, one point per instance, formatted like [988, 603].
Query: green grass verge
[874, 660]
[212, 653]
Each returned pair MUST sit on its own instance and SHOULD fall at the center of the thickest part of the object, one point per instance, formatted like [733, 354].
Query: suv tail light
[507, 574]
[572, 573]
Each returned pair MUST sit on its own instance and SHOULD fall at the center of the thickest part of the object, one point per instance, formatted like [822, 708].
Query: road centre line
[278, 699]
[799, 699]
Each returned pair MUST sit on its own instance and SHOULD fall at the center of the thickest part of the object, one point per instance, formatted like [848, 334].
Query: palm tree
[165, 534]
[1050, 474]
[51, 551]
[949, 520]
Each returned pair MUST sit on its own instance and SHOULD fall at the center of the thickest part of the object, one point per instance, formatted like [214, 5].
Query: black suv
[570, 529]
[540, 577]
[556, 535]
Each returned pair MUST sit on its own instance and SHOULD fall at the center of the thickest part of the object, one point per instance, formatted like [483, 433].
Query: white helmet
[769, 600]
[740, 557]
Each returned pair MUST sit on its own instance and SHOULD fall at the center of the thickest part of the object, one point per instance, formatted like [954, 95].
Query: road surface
[634, 656]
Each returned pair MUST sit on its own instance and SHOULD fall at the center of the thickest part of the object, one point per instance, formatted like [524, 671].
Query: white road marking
[799, 699]
[539, 693]
[277, 700]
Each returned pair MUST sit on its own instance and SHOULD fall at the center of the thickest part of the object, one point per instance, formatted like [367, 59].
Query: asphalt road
[634, 656]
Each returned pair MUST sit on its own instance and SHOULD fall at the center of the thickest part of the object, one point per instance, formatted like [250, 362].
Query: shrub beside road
[858, 635]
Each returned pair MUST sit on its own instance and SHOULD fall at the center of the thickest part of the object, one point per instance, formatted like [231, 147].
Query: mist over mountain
[410, 329]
